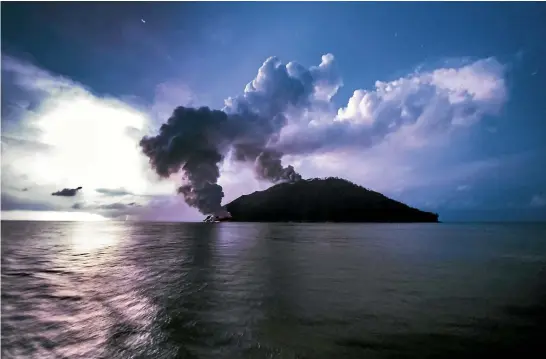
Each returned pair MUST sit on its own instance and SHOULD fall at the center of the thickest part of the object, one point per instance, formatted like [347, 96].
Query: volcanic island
[320, 200]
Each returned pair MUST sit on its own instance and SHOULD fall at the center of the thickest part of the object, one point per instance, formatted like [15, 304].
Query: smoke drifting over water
[287, 109]
[196, 141]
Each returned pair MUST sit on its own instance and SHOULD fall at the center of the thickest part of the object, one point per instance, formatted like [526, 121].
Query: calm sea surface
[230, 290]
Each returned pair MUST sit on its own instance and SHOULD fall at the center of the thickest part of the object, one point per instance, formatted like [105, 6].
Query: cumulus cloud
[417, 106]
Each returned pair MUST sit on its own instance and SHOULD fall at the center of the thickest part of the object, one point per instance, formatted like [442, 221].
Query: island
[320, 200]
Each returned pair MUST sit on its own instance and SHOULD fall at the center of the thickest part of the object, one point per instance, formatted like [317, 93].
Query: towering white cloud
[420, 104]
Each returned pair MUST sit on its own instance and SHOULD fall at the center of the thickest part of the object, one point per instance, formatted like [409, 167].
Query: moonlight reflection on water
[170, 290]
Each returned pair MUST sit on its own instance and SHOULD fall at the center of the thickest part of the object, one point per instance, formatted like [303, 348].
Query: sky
[438, 105]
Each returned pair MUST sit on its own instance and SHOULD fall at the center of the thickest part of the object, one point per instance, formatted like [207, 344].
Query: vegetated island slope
[322, 200]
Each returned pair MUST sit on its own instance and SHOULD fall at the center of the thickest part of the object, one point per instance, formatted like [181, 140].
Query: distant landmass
[321, 200]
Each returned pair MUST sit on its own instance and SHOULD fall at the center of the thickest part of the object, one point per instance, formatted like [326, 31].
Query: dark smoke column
[268, 167]
[192, 141]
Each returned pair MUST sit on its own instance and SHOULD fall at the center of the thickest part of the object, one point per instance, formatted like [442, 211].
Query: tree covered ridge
[330, 199]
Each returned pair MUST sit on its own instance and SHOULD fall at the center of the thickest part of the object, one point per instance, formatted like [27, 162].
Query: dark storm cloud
[67, 192]
[196, 141]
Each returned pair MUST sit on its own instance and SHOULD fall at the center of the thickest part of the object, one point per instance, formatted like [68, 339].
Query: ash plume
[194, 142]
[268, 167]
[287, 109]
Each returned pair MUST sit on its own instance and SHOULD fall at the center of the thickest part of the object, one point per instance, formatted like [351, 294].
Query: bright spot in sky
[89, 141]
[92, 146]
[70, 137]
[143, 21]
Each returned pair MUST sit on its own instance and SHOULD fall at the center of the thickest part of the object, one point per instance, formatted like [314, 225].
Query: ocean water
[237, 290]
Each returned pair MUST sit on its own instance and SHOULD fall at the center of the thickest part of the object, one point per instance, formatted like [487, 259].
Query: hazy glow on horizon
[51, 216]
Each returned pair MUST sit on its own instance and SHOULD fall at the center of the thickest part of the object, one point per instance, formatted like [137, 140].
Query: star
[143, 21]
